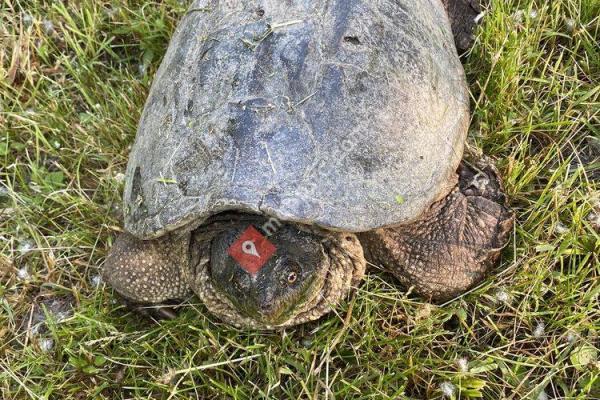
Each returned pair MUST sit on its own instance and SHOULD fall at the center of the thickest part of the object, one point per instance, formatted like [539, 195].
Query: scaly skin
[174, 266]
[148, 272]
[452, 246]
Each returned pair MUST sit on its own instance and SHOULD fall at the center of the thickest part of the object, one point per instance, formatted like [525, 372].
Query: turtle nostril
[352, 39]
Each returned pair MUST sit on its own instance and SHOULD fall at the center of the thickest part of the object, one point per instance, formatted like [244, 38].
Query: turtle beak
[275, 309]
[270, 311]
[266, 307]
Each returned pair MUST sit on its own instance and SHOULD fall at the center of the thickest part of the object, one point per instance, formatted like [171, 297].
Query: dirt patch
[50, 305]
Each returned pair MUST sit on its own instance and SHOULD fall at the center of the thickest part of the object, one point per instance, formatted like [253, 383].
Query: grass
[73, 80]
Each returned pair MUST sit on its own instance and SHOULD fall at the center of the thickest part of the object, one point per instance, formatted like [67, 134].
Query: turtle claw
[156, 312]
[160, 312]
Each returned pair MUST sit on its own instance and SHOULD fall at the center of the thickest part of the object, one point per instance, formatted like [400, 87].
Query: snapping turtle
[283, 144]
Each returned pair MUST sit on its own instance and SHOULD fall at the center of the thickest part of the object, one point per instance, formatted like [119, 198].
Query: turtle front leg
[148, 272]
[454, 243]
[462, 15]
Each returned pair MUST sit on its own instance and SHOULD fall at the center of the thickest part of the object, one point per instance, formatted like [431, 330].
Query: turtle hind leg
[148, 272]
[462, 15]
[453, 244]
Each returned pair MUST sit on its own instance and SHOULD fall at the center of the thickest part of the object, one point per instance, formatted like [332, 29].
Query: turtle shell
[347, 114]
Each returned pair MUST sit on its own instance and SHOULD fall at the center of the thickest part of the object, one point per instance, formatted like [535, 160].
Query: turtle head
[269, 279]
[272, 275]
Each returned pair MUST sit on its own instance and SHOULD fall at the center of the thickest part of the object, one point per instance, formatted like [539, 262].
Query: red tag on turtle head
[252, 250]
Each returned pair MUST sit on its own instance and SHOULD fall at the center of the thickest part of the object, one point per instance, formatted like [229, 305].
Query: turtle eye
[292, 277]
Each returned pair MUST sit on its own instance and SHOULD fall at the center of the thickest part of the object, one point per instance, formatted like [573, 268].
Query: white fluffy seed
[25, 247]
[463, 364]
[120, 177]
[502, 296]
[48, 27]
[540, 330]
[560, 228]
[23, 274]
[46, 344]
[518, 16]
[142, 69]
[96, 280]
[27, 20]
[447, 389]
[570, 24]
